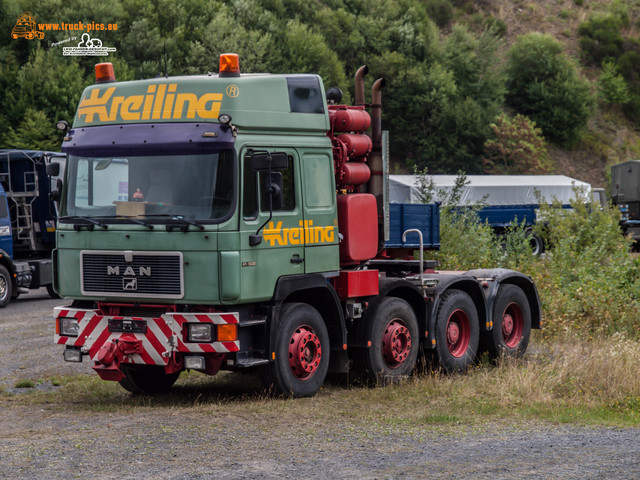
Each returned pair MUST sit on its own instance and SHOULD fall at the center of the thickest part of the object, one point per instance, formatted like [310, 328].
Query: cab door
[280, 251]
[321, 251]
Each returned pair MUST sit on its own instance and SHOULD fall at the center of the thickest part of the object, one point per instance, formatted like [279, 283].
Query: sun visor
[148, 139]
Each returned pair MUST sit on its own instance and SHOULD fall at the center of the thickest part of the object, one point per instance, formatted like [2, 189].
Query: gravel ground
[224, 440]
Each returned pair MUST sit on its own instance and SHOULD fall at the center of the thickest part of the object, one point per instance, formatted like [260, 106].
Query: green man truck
[237, 222]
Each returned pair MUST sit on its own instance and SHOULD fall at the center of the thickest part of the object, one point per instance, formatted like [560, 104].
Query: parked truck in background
[625, 193]
[233, 221]
[502, 200]
[27, 222]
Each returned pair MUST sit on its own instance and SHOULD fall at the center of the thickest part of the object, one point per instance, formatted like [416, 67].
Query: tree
[543, 84]
[35, 132]
[517, 149]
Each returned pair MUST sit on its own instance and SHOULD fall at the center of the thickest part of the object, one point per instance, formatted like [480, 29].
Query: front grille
[132, 274]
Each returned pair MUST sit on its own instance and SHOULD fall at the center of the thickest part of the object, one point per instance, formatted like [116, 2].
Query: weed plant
[587, 280]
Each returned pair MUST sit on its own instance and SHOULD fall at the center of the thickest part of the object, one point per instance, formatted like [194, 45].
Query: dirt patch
[207, 432]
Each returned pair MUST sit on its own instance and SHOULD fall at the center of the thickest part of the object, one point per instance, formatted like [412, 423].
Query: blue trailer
[27, 221]
[410, 217]
[503, 199]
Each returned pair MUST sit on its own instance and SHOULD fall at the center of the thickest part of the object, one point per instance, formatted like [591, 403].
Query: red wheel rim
[305, 352]
[396, 343]
[458, 333]
[512, 325]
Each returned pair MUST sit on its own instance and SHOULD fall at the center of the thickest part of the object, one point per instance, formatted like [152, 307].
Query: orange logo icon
[26, 28]
[233, 90]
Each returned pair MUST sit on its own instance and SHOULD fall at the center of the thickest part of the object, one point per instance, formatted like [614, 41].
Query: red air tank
[355, 173]
[351, 120]
[358, 145]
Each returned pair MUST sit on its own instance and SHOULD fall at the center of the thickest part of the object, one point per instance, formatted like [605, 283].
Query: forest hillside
[486, 86]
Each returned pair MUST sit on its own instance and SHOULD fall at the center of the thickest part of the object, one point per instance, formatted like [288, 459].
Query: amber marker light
[229, 65]
[227, 332]
[104, 73]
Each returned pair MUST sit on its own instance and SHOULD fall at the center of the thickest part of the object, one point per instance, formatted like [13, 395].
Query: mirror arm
[257, 238]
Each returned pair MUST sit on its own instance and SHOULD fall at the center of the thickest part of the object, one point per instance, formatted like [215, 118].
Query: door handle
[296, 259]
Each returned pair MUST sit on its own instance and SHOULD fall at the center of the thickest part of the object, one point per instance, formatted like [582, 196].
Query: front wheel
[5, 286]
[457, 331]
[511, 323]
[147, 379]
[52, 293]
[301, 352]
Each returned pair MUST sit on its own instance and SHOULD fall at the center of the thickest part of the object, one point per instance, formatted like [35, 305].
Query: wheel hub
[453, 332]
[305, 352]
[507, 325]
[458, 333]
[396, 343]
[512, 325]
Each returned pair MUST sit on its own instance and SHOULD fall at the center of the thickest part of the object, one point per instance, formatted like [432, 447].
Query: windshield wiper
[184, 222]
[92, 223]
[135, 220]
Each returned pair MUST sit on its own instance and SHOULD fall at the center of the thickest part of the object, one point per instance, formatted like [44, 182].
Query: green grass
[574, 381]
[25, 383]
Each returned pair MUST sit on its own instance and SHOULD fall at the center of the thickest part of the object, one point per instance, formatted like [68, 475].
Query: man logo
[130, 284]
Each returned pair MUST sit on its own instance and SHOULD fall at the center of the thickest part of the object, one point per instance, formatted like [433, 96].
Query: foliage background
[452, 69]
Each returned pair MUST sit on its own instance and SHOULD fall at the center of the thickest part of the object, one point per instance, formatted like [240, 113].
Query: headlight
[200, 332]
[68, 326]
[194, 363]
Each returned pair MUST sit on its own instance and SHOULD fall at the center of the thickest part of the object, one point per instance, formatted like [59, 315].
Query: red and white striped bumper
[164, 336]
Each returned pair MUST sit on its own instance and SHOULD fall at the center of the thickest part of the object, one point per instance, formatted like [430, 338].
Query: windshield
[190, 186]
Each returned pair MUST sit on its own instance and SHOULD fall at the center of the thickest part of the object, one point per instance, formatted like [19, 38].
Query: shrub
[497, 26]
[612, 87]
[601, 38]
[440, 11]
[588, 282]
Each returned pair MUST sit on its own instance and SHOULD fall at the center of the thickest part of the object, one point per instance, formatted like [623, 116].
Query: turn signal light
[104, 73]
[229, 65]
[227, 332]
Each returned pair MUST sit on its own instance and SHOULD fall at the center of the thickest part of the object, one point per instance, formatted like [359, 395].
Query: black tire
[302, 352]
[52, 293]
[6, 287]
[392, 328]
[140, 379]
[511, 323]
[536, 243]
[457, 331]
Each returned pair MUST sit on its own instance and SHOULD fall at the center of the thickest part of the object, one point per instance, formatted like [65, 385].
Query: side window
[256, 187]
[283, 179]
[249, 191]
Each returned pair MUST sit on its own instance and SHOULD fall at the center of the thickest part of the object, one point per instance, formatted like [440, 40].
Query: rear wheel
[392, 328]
[302, 352]
[511, 323]
[5, 286]
[457, 331]
[536, 243]
[147, 379]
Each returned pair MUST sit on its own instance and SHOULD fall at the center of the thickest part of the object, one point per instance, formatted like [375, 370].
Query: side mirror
[272, 186]
[265, 161]
[53, 169]
[56, 193]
